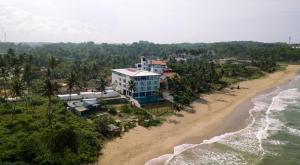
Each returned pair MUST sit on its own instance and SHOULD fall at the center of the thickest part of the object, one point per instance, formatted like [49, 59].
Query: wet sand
[216, 113]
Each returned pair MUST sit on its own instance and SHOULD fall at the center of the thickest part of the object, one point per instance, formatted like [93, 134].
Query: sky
[159, 21]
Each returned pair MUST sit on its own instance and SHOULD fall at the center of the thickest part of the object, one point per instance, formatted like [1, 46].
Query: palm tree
[52, 63]
[72, 81]
[101, 83]
[4, 75]
[49, 89]
[27, 77]
[94, 69]
[17, 70]
[131, 86]
[10, 57]
[17, 88]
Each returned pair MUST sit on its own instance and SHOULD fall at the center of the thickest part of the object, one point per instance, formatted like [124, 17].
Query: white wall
[151, 84]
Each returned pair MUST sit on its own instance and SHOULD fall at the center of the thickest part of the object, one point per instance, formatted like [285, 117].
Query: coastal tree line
[198, 76]
[35, 125]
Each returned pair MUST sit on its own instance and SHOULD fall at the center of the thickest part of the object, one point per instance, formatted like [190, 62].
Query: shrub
[17, 110]
[126, 109]
[36, 102]
[101, 124]
[63, 139]
[150, 122]
[2, 100]
[112, 111]
[128, 125]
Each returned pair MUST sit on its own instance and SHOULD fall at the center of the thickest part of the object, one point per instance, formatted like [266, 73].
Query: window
[148, 88]
[142, 94]
[148, 93]
[137, 78]
[149, 82]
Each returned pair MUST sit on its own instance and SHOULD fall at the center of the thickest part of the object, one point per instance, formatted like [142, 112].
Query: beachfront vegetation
[30, 139]
[204, 75]
[36, 128]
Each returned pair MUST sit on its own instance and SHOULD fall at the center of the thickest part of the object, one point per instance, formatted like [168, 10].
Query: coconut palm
[27, 77]
[52, 63]
[101, 84]
[10, 57]
[72, 81]
[17, 88]
[17, 70]
[49, 89]
[131, 86]
[4, 75]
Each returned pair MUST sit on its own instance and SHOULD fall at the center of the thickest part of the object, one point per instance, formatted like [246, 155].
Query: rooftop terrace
[133, 72]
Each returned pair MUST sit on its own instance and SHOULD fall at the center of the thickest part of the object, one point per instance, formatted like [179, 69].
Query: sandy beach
[216, 114]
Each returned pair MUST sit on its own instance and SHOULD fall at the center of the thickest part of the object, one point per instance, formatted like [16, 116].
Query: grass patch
[280, 68]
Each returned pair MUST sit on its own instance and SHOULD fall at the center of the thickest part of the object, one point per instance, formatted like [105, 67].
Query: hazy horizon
[158, 21]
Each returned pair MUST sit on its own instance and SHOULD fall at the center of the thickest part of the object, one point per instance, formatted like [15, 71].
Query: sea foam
[248, 141]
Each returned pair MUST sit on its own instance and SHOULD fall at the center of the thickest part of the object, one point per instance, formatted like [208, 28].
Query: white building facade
[156, 66]
[146, 83]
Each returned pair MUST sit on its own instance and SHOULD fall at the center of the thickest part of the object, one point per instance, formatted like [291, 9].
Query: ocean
[272, 136]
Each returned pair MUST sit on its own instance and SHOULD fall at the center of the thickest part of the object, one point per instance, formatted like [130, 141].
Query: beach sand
[216, 114]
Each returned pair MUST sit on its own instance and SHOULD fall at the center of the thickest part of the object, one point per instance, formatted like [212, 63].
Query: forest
[94, 57]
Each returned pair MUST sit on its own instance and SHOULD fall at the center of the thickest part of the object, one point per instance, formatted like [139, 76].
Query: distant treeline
[121, 55]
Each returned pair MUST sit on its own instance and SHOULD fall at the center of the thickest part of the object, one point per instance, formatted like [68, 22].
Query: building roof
[92, 101]
[157, 62]
[133, 72]
[169, 74]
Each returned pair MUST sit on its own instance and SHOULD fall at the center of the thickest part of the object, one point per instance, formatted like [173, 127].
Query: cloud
[162, 21]
[20, 21]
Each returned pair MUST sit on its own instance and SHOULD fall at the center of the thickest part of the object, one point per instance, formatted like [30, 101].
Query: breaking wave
[246, 145]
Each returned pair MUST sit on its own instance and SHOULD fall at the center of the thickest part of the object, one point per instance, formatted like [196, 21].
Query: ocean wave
[248, 141]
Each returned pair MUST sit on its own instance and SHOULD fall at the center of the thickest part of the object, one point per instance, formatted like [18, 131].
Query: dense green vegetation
[36, 128]
[30, 140]
[202, 76]
[90, 58]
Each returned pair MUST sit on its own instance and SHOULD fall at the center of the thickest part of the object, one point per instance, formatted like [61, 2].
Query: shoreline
[217, 113]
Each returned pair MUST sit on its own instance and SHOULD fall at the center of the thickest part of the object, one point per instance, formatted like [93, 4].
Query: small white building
[143, 65]
[108, 93]
[156, 66]
[146, 83]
